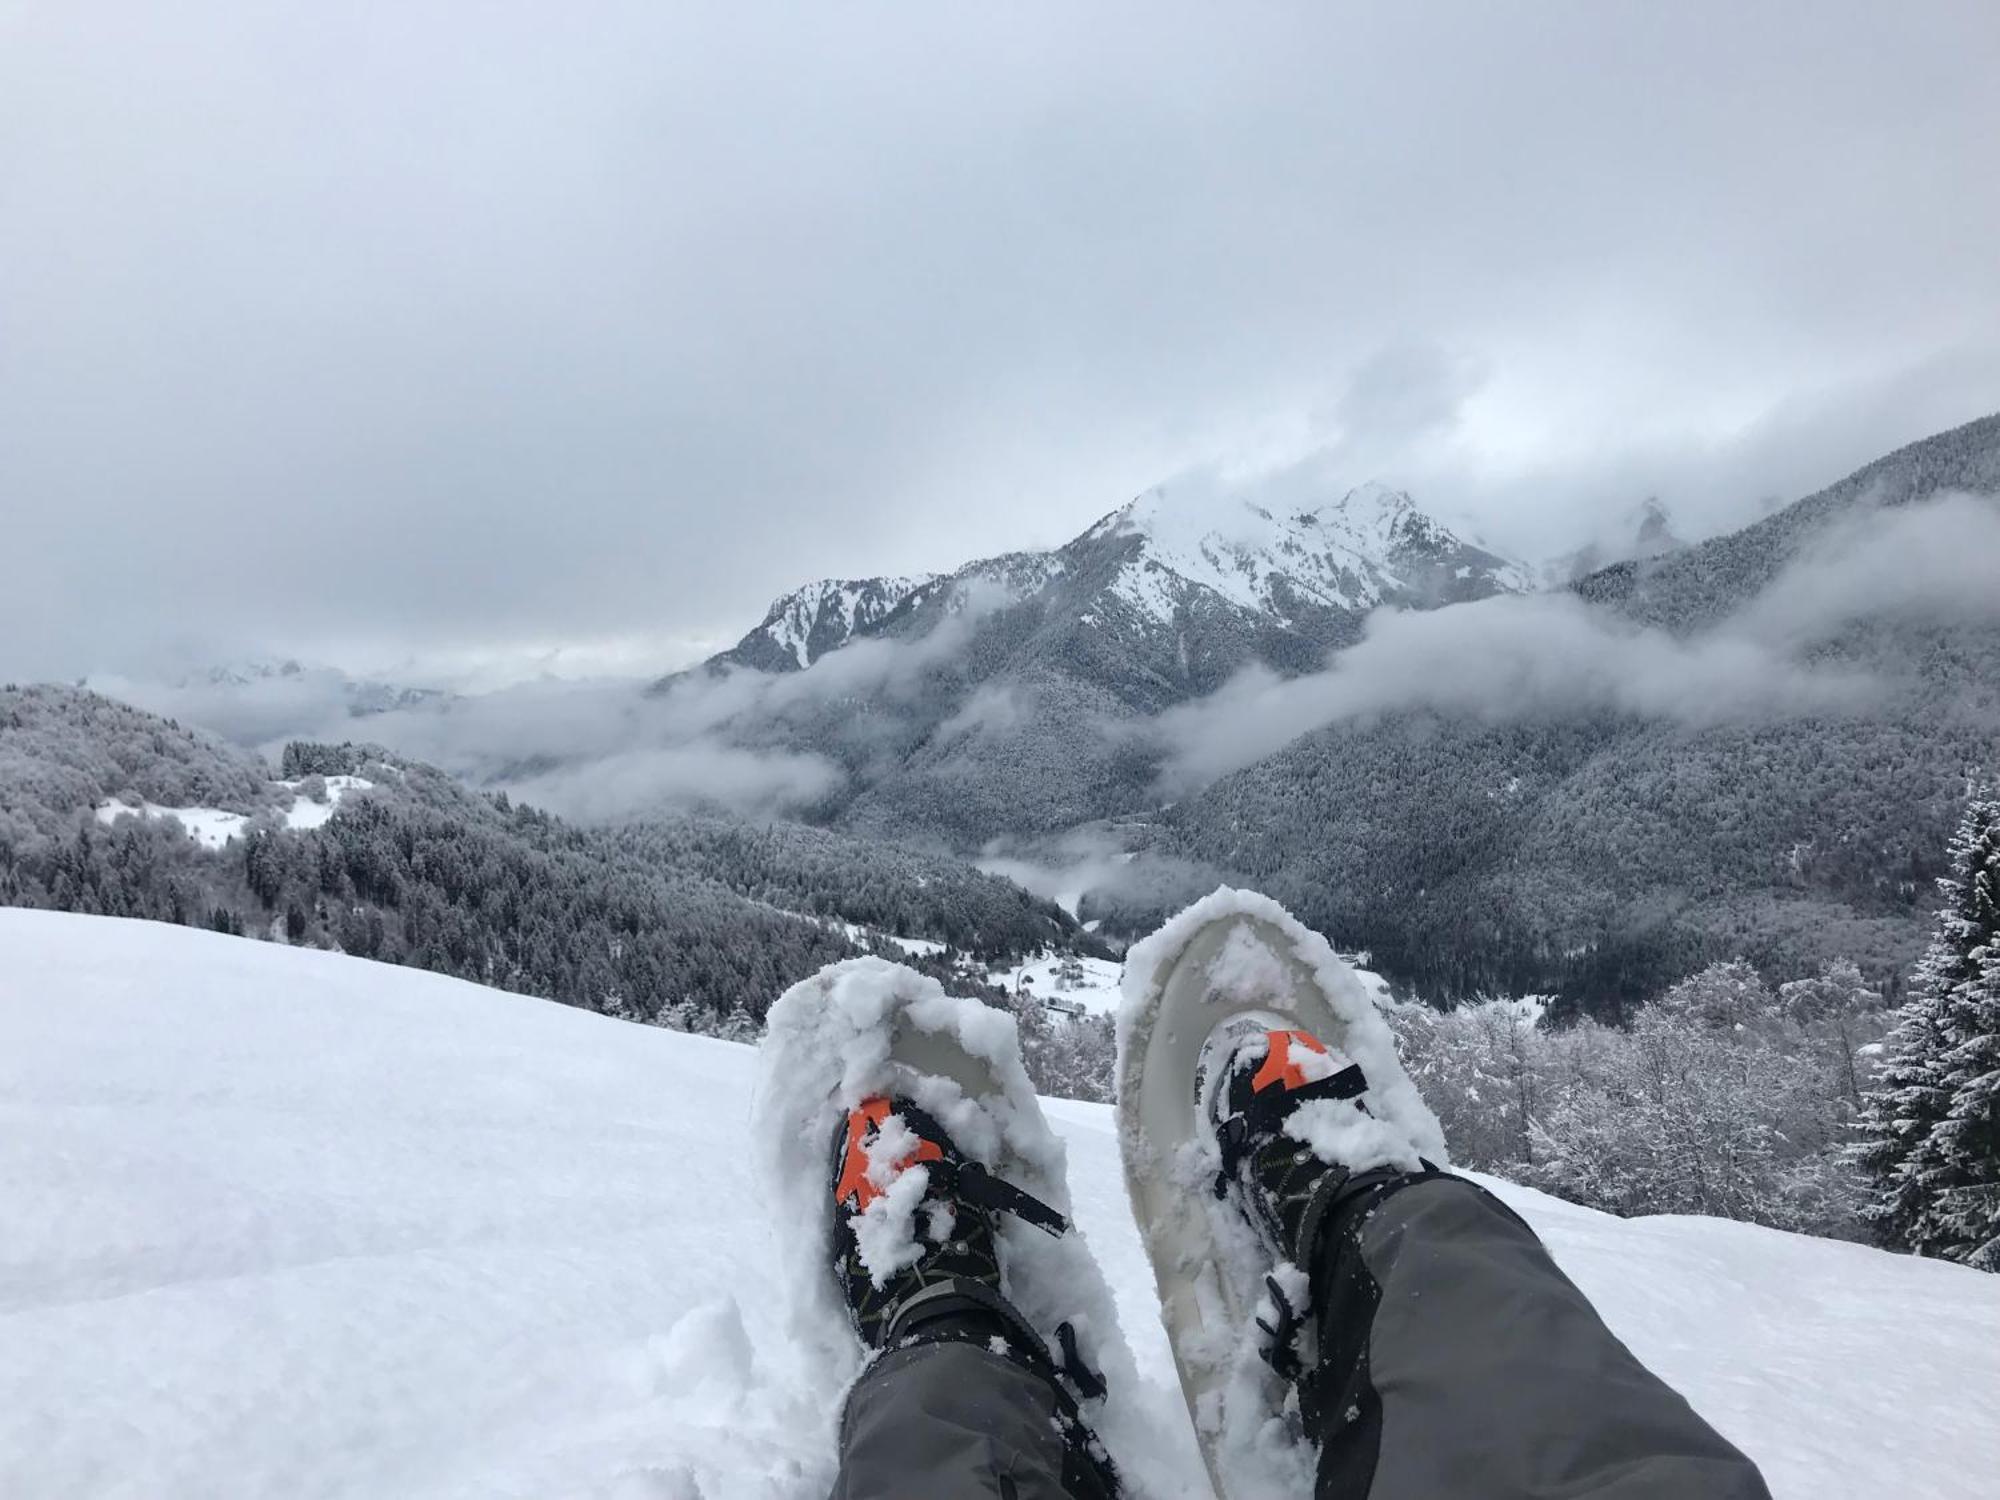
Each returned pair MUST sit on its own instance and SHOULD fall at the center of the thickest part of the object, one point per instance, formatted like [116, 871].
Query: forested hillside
[694, 923]
[1598, 858]
[1604, 855]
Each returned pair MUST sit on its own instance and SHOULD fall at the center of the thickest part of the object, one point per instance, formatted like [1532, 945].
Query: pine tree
[1931, 1125]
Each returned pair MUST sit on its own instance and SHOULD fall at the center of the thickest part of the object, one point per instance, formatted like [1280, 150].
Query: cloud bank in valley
[608, 750]
[602, 750]
[1518, 657]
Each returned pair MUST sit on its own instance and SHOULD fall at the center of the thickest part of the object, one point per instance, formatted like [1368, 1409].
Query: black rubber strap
[969, 1182]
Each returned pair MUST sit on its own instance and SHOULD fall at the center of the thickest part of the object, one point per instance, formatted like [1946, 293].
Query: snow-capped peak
[1258, 548]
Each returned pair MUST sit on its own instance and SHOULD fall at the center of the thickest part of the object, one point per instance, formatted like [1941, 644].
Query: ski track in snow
[291, 1224]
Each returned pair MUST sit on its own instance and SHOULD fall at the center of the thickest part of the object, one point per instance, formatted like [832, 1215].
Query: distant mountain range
[1594, 852]
[1522, 837]
[1025, 727]
[1205, 568]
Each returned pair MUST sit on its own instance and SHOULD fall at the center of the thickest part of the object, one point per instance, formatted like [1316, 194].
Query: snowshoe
[928, 1266]
[938, 1186]
[1234, 1016]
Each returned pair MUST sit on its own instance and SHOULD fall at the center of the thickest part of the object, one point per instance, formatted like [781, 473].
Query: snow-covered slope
[288, 1223]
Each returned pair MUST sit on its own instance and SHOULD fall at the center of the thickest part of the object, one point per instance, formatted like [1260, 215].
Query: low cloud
[995, 708]
[1519, 657]
[1934, 562]
[599, 751]
[1095, 862]
[631, 783]
[293, 705]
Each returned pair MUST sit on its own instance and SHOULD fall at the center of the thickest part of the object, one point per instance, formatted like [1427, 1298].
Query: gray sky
[465, 333]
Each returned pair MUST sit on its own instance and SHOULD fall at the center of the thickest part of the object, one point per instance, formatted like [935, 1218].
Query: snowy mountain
[691, 920]
[1012, 713]
[1182, 566]
[1023, 668]
[802, 626]
[1371, 546]
[283, 1222]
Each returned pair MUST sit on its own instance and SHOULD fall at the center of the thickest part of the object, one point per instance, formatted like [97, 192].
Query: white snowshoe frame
[866, 1027]
[1207, 1264]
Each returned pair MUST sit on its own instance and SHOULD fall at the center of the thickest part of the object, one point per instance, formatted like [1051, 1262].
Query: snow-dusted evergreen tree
[1931, 1125]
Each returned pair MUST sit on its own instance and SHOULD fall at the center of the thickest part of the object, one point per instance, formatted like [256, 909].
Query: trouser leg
[953, 1421]
[1456, 1360]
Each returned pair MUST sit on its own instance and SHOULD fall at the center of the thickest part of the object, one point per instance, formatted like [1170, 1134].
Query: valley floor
[291, 1224]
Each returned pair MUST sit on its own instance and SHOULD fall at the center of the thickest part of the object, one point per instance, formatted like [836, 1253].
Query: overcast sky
[471, 333]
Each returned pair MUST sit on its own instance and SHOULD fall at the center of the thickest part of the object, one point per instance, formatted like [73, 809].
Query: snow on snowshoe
[1236, 980]
[898, 1128]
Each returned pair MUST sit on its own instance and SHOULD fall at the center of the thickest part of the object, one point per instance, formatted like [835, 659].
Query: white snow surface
[306, 813]
[854, 932]
[281, 1222]
[211, 827]
[215, 827]
[1096, 992]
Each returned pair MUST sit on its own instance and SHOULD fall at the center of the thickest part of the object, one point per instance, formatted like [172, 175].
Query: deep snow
[286, 1223]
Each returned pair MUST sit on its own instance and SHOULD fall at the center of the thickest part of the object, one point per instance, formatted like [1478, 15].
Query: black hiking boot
[926, 1270]
[1293, 1185]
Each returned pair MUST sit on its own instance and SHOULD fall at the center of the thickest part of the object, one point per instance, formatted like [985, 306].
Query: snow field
[214, 827]
[286, 1223]
[1097, 992]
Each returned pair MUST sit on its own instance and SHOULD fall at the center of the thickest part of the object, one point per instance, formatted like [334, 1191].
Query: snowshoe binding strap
[1275, 1098]
[953, 1178]
[969, 1182]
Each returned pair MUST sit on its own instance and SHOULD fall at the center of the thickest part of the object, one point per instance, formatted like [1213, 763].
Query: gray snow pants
[1456, 1363]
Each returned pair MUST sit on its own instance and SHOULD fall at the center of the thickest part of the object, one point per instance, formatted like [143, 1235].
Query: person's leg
[963, 1400]
[1447, 1357]
[1455, 1359]
[954, 1421]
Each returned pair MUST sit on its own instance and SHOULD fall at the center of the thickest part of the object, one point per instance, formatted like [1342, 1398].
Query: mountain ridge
[1171, 554]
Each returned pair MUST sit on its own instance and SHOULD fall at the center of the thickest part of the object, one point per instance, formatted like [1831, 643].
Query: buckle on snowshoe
[1089, 1384]
[1281, 1353]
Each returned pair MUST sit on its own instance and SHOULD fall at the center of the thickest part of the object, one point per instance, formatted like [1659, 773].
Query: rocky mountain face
[805, 624]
